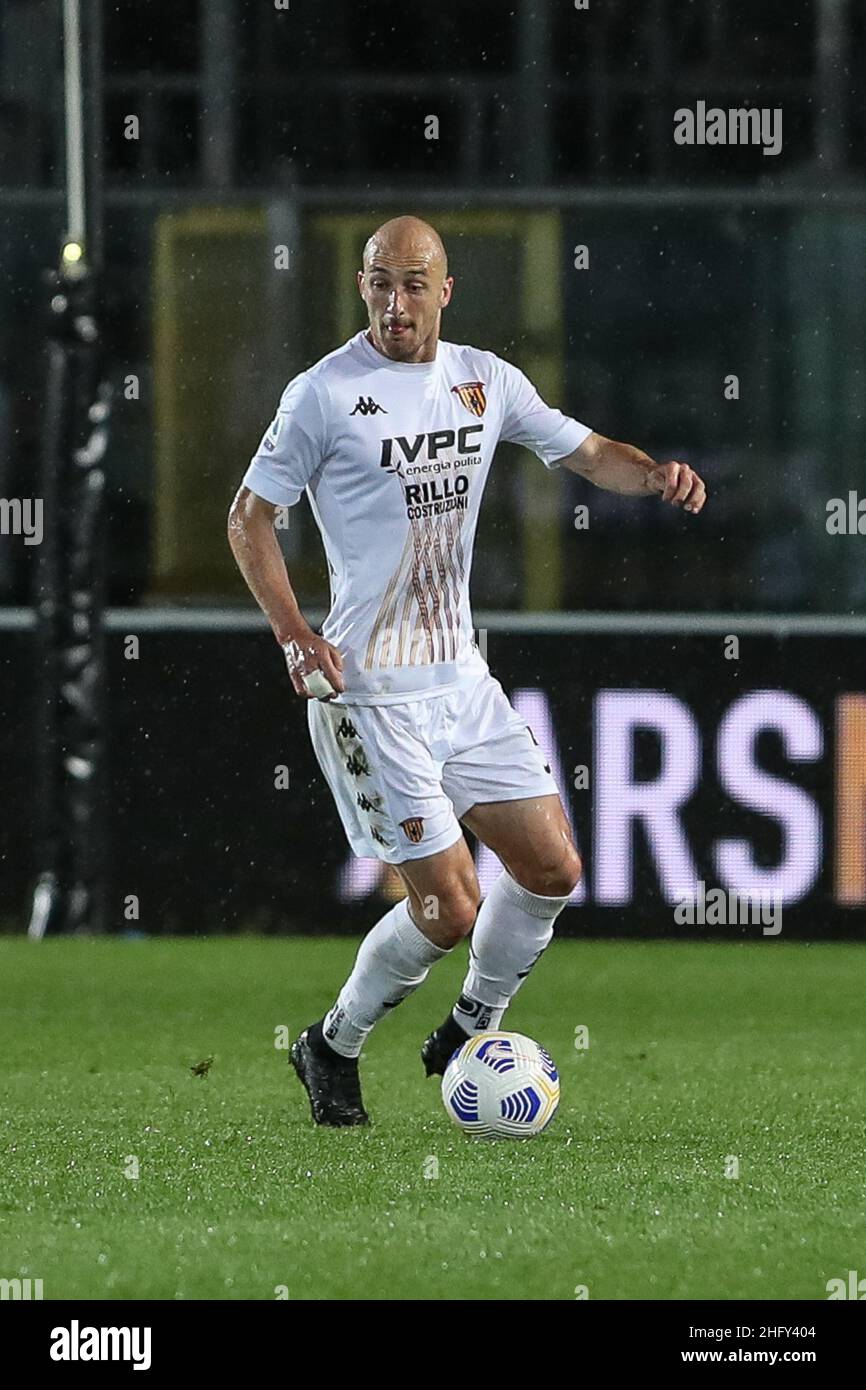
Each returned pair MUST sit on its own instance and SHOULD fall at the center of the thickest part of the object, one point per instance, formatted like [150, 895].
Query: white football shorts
[403, 774]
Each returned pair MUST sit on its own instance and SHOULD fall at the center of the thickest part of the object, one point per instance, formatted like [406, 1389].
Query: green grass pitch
[698, 1053]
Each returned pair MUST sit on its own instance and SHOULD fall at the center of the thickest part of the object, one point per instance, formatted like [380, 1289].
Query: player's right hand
[311, 654]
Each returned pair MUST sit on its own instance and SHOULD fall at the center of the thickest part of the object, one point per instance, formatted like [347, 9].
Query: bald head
[405, 285]
[409, 241]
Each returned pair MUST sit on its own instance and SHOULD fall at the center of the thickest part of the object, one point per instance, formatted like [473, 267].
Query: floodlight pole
[73, 94]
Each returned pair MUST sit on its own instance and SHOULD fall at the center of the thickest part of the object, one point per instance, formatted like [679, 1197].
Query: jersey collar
[378, 359]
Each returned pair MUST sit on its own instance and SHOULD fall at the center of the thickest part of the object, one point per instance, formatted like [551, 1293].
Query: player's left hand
[678, 484]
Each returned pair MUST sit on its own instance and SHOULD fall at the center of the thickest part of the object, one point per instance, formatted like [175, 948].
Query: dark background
[704, 262]
[200, 834]
[261, 128]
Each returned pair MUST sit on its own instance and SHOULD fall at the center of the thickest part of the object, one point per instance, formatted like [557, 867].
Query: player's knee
[571, 873]
[457, 914]
[556, 878]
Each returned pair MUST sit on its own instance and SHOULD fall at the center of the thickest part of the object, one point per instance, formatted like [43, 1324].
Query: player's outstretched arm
[314, 665]
[623, 468]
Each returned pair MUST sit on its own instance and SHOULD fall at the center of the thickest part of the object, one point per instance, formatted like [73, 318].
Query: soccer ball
[501, 1086]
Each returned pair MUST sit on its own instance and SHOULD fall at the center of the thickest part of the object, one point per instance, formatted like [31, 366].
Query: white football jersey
[394, 457]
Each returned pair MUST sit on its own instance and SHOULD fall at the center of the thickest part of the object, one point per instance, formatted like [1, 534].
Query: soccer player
[392, 437]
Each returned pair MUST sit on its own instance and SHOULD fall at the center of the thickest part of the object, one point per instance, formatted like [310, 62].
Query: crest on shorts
[473, 396]
[413, 829]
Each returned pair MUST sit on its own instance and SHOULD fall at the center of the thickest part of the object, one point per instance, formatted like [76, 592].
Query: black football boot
[439, 1048]
[331, 1081]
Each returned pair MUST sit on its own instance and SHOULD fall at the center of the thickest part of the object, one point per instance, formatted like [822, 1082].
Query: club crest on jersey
[413, 829]
[473, 396]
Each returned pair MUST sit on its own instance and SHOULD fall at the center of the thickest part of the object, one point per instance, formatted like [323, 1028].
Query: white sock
[392, 961]
[513, 927]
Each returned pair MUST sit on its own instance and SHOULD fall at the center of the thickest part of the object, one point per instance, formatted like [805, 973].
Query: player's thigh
[532, 837]
[444, 893]
[504, 791]
[385, 783]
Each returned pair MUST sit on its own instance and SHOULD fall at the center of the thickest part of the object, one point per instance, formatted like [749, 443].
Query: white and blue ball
[501, 1086]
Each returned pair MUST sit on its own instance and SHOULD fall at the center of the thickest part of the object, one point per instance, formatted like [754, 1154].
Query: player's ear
[447, 287]
[361, 283]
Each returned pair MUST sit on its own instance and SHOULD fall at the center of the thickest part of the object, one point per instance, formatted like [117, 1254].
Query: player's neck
[426, 353]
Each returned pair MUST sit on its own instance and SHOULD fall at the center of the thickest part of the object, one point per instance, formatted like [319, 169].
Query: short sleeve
[292, 447]
[528, 420]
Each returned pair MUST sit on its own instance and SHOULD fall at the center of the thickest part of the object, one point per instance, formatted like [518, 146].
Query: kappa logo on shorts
[413, 829]
[357, 764]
